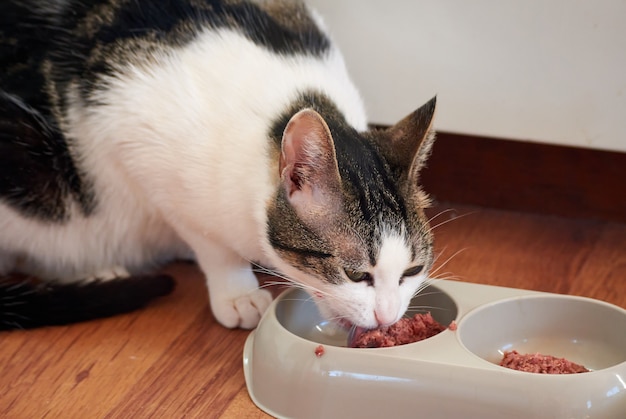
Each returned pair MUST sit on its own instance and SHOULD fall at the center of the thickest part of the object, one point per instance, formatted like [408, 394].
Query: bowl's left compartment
[297, 364]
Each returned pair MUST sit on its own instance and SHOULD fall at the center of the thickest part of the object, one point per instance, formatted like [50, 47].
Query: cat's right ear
[308, 164]
[409, 142]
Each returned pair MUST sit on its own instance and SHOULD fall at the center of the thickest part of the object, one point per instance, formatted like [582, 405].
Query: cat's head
[348, 219]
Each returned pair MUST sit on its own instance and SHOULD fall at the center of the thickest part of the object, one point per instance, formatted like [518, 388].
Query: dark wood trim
[527, 176]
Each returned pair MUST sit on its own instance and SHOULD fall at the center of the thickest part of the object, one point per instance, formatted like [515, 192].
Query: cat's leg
[236, 300]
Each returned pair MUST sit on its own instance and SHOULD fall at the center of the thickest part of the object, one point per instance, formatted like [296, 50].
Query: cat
[138, 132]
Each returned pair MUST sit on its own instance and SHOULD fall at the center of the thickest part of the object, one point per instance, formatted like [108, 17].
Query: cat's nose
[384, 318]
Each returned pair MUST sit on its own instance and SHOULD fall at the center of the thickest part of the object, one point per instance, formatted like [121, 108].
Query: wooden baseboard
[525, 176]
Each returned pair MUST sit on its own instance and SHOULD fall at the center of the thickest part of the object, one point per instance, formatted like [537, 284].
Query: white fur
[386, 300]
[179, 158]
[391, 299]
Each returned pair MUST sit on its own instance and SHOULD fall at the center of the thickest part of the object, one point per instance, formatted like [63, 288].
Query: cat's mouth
[354, 334]
[338, 318]
[353, 330]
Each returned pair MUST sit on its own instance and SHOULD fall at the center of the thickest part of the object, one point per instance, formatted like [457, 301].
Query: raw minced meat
[406, 330]
[319, 351]
[541, 364]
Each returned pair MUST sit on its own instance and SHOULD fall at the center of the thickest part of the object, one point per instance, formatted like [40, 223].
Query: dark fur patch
[26, 304]
[104, 33]
[297, 242]
[37, 175]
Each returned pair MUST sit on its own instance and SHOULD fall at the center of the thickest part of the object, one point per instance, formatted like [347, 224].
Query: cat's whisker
[256, 268]
[302, 300]
[263, 269]
[279, 284]
[439, 214]
[424, 294]
[338, 319]
[438, 274]
[451, 219]
[305, 287]
[434, 272]
[426, 308]
[427, 282]
[289, 281]
[448, 276]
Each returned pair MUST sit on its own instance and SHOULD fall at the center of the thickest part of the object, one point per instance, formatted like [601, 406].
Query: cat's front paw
[244, 311]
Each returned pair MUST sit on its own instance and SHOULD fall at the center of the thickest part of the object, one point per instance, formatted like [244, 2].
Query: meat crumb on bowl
[406, 330]
[540, 364]
[319, 351]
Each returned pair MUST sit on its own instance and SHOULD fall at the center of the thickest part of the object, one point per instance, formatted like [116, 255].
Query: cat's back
[144, 98]
[228, 69]
[103, 71]
[56, 45]
[207, 89]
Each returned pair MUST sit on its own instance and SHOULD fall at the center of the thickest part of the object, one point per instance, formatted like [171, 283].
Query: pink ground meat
[319, 351]
[541, 364]
[406, 330]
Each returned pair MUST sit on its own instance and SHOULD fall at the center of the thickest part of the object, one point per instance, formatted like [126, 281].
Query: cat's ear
[308, 163]
[410, 140]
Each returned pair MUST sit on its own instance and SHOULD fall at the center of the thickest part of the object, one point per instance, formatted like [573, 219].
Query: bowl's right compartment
[582, 330]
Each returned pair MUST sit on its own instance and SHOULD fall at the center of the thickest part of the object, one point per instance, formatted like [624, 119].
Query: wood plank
[46, 366]
[603, 273]
[205, 362]
[543, 253]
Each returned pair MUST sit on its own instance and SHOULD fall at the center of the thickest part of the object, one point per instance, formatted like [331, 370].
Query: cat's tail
[27, 304]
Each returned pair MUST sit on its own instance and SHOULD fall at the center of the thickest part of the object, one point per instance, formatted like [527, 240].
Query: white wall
[540, 70]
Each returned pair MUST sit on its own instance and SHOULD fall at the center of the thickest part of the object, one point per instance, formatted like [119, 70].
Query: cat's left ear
[308, 164]
[410, 141]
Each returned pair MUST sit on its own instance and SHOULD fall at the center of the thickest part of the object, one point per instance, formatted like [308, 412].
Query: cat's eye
[358, 276]
[415, 270]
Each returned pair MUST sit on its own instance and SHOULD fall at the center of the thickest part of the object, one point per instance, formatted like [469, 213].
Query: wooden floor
[171, 360]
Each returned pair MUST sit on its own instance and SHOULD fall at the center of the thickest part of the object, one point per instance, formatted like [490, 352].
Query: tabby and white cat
[137, 132]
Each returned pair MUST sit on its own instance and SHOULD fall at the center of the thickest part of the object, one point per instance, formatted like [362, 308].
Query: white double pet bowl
[451, 375]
